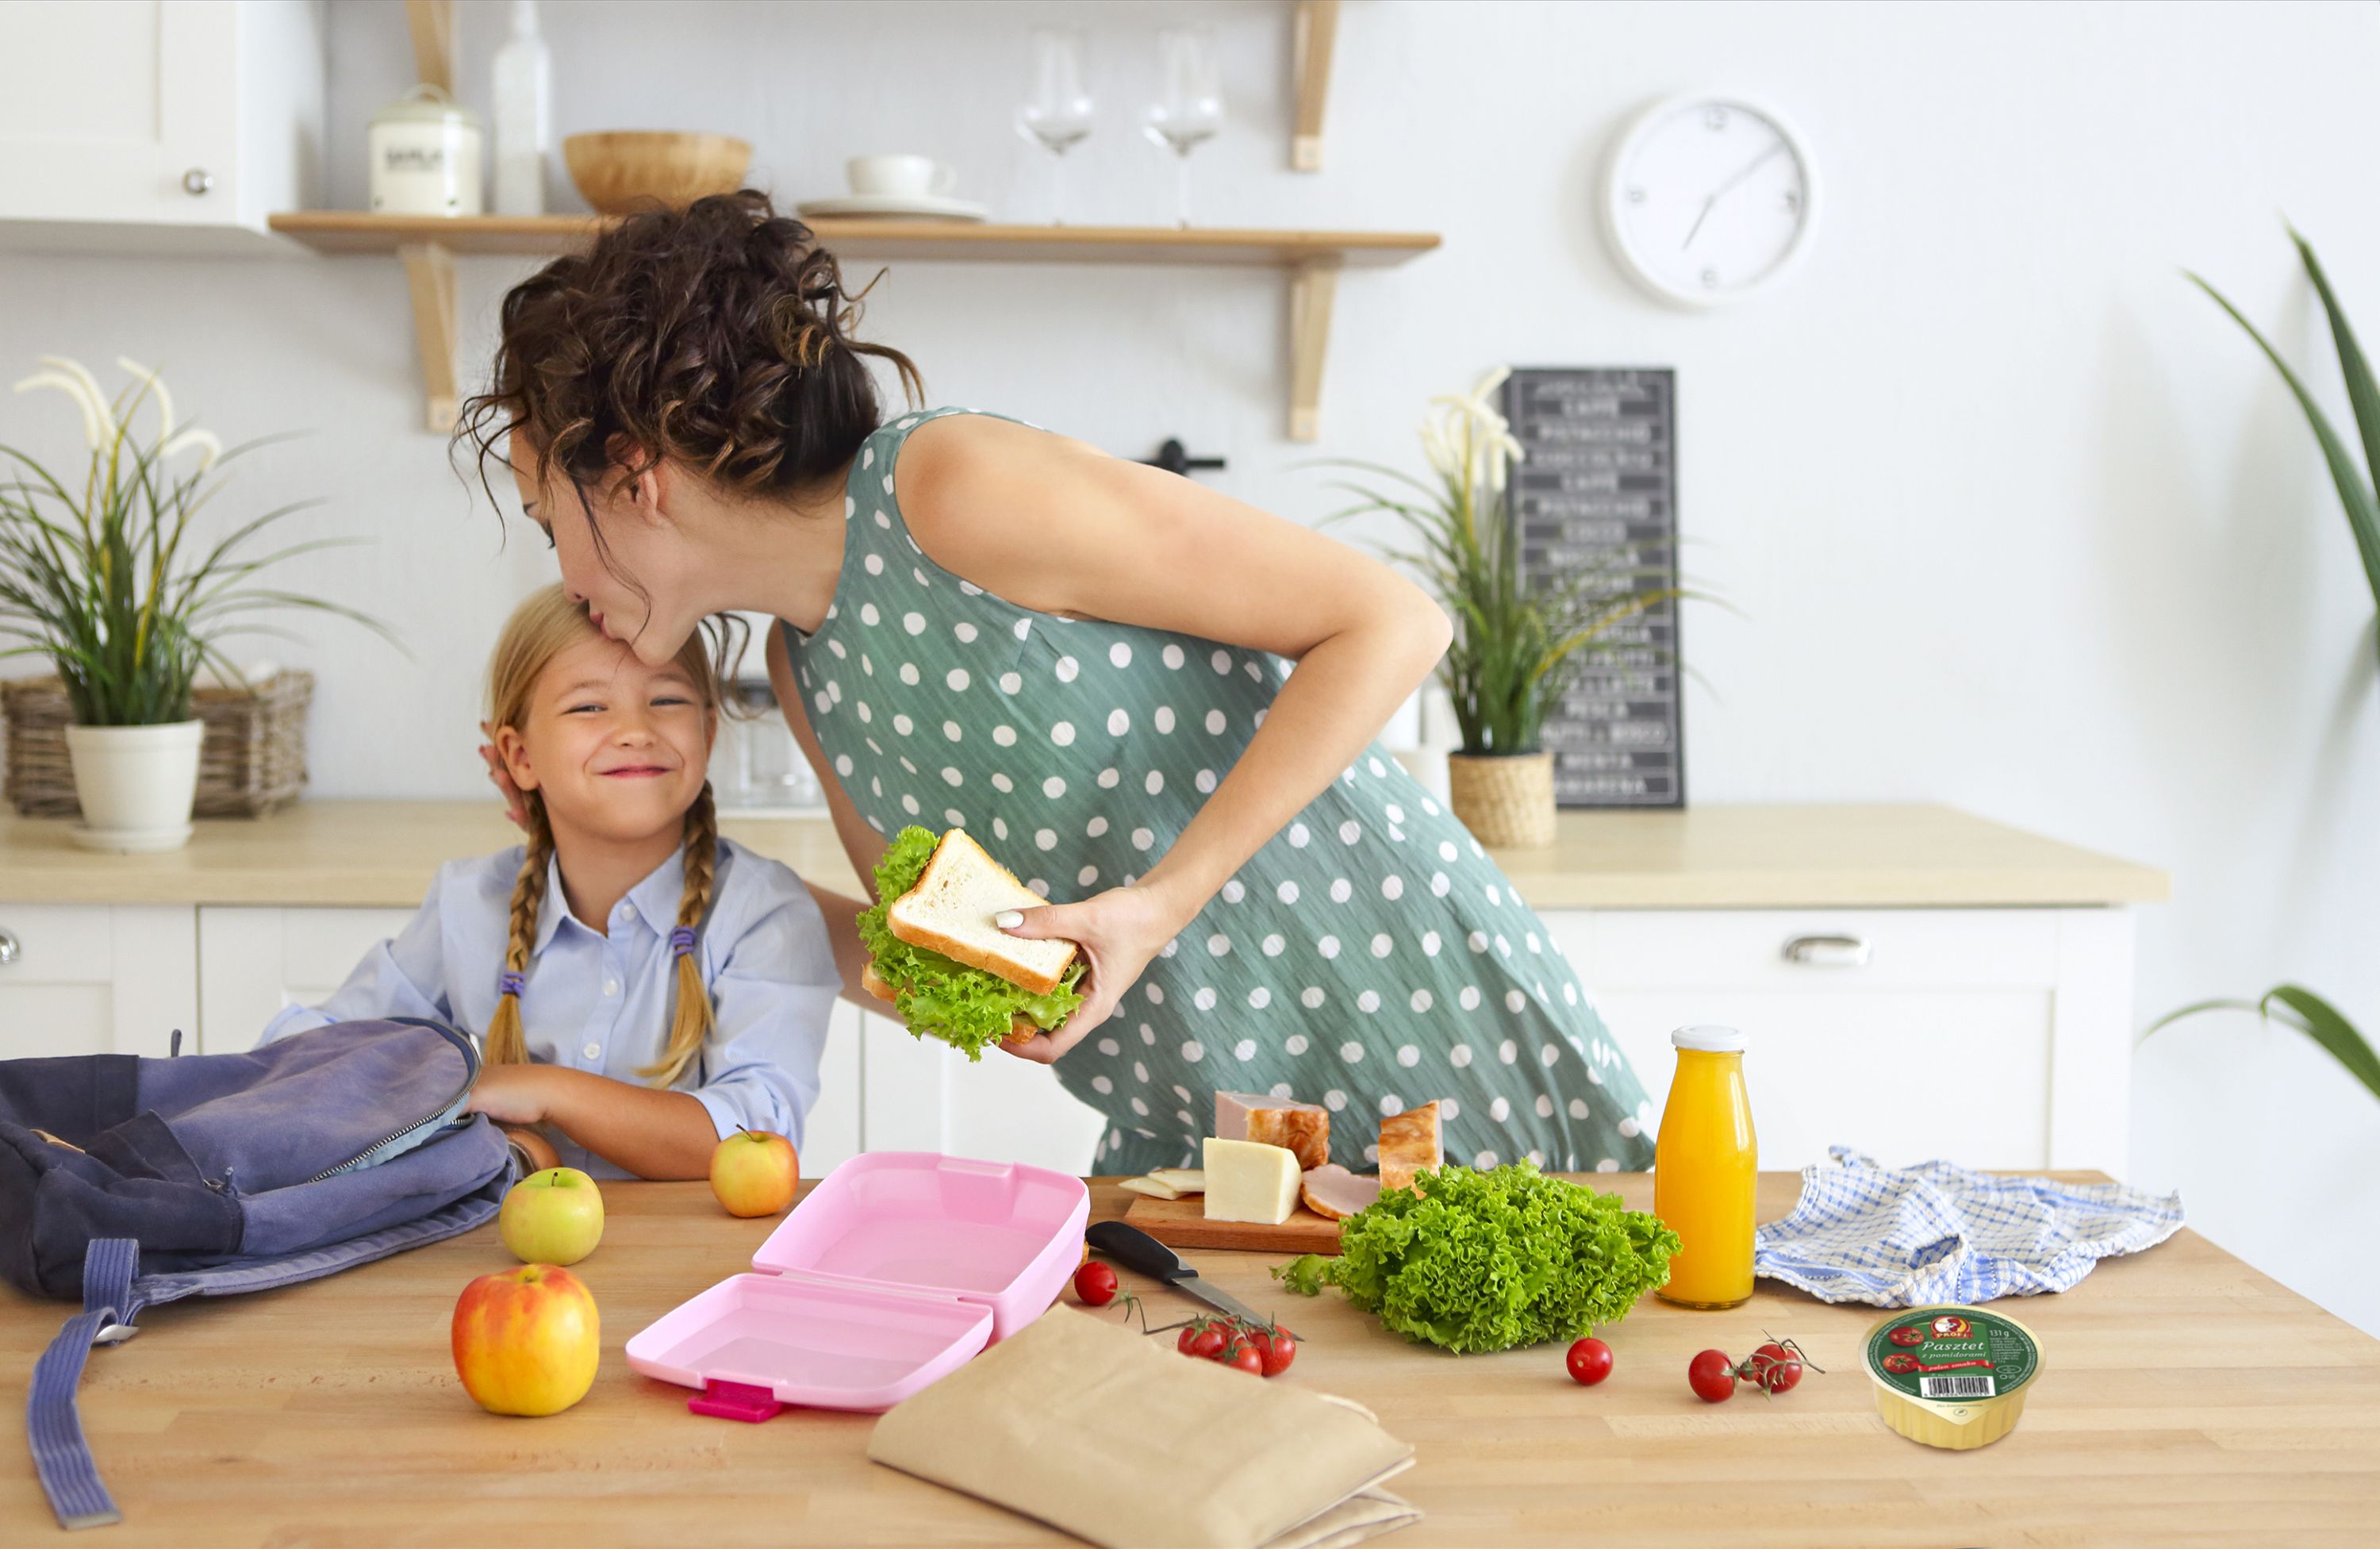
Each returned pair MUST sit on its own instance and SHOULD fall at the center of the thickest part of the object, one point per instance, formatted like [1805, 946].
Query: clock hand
[1749, 168]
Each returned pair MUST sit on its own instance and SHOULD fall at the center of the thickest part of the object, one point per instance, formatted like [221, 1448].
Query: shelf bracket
[430, 276]
[433, 23]
[1315, 30]
[1312, 286]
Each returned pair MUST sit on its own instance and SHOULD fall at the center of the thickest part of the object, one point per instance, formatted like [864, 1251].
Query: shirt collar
[653, 901]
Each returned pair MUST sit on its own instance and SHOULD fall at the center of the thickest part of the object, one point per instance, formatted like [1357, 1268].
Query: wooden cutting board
[1183, 1223]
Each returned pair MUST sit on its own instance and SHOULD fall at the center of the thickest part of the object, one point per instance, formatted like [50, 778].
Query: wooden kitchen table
[2185, 1399]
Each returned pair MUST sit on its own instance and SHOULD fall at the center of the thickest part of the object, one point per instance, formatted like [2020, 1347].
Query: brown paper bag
[1115, 1437]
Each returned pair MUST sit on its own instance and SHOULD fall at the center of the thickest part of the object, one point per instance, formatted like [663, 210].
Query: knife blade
[1135, 1248]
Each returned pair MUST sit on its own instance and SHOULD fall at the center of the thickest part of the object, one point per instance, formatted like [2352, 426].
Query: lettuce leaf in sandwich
[966, 1007]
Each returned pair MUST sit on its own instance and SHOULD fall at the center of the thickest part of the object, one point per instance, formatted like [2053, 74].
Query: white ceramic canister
[425, 156]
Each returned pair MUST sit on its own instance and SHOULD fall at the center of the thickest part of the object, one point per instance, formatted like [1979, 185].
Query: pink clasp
[743, 1401]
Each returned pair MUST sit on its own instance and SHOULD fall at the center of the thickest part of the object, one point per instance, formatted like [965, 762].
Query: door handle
[9, 950]
[1828, 951]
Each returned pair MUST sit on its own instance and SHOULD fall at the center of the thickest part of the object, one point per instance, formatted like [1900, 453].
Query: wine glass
[1058, 114]
[1189, 106]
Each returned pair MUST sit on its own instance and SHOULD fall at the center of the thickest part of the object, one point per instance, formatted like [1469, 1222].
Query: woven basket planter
[1506, 799]
[252, 761]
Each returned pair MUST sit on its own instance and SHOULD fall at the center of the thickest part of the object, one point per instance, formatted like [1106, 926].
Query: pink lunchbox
[898, 1268]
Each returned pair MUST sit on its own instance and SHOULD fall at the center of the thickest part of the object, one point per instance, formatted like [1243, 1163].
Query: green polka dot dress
[1370, 956]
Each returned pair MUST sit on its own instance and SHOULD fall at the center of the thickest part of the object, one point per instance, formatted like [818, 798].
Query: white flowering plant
[94, 571]
[1519, 640]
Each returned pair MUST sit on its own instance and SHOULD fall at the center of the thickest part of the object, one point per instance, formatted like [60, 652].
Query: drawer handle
[9, 950]
[1827, 951]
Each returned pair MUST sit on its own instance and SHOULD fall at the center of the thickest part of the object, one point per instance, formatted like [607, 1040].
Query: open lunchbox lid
[898, 1268]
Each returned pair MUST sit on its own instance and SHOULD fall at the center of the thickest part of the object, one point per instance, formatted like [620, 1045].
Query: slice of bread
[951, 911]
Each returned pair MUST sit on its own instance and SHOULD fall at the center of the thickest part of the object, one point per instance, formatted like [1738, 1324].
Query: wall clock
[1709, 198]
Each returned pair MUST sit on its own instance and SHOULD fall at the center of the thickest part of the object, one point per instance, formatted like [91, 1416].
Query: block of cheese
[1409, 1144]
[1303, 1128]
[1246, 1181]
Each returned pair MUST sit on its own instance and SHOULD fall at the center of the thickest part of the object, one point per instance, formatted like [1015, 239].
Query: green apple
[552, 1218]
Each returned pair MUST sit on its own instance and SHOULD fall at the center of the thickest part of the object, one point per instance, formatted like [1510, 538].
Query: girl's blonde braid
[690, 1024]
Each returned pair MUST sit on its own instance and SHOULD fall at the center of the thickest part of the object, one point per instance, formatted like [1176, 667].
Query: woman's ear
[645, 492]
[513, 748]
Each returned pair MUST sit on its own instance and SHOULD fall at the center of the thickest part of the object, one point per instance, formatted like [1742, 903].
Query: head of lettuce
[948, 970]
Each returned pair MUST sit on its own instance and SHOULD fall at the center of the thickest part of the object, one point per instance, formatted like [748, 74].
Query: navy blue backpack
[126, 1182]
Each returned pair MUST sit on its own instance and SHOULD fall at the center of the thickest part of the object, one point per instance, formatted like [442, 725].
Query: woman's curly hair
[718, 336]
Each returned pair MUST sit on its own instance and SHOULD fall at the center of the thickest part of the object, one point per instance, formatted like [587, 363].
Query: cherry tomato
[1589, 1361]
[1202, 1339]
[1243, 1356]
[1774, 1367]
[1907, 1334]
[1096, 1285]
[1275, 1346]
[1712, 1376]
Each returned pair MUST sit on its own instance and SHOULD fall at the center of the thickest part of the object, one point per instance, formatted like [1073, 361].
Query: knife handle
[1135, 1248]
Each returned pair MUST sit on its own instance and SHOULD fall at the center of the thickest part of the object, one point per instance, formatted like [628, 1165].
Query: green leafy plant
[1519, 641]
[2289, 1004]
[1486, 1261]
[964, 1006]
[93, 568]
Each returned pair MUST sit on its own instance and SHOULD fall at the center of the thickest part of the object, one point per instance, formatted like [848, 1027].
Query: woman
[1071, 657]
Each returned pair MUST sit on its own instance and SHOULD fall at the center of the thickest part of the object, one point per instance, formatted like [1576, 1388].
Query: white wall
[2015, 518]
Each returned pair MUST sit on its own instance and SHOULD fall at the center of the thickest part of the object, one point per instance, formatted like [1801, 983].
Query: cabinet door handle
[1827, 951]
[9, 950]
[196, 181]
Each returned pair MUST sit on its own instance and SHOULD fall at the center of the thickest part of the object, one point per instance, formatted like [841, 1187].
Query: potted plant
[102, 570]
[2293, 1004]
[1519, 641]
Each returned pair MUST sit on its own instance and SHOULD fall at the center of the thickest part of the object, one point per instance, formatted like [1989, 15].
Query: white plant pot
[136, 784]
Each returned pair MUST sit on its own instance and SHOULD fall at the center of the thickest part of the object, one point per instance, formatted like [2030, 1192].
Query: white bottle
[524, 89]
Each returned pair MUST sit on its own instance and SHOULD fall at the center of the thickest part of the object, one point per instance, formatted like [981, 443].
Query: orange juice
[1705, 1166]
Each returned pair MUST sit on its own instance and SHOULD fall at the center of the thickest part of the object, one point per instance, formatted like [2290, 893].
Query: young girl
[642, 986]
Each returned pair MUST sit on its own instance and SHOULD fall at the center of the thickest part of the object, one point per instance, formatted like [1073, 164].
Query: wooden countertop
[382, 853]
[2185, 1398]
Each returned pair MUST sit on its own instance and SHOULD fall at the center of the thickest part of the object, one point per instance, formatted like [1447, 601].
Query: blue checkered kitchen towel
[1935, 1235]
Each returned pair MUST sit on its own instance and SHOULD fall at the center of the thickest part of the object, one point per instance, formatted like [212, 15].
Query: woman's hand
[1119, 931]
[501, 777]
[513, 1094]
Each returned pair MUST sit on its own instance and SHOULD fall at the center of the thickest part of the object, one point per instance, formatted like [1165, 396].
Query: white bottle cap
[1708, 1040]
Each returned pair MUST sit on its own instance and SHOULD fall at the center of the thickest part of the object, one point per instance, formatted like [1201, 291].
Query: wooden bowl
[622, 171]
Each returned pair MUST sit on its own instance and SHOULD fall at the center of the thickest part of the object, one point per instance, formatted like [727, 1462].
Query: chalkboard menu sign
[1599, 487]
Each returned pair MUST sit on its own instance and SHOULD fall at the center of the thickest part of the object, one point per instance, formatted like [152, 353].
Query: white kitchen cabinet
[169, 125]
[924, 1095]
[96, 978]
[1992, 1038]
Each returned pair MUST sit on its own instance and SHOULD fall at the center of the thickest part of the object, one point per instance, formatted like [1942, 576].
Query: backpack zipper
[470, 1078]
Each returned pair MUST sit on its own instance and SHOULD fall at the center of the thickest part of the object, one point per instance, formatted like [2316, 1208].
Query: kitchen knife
[1135, 1248]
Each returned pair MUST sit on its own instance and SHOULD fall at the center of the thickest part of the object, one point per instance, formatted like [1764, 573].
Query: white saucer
[926, 207]
[130, 841]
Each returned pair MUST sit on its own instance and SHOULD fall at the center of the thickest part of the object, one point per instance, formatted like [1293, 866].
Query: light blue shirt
[604, 1002]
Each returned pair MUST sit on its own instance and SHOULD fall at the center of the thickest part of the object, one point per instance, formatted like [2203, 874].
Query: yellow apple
[525, 1341]
[552, 1218]
[755, 1172]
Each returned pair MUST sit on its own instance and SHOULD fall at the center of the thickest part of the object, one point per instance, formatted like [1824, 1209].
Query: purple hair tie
[682, 941]
[510, 983]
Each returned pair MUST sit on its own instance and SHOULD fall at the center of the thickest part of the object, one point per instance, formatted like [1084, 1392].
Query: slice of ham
[1301, 1128]
[1410, 1145]
[1334, 1191]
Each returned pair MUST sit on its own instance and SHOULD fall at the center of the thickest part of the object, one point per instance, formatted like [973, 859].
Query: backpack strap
[61, 1456]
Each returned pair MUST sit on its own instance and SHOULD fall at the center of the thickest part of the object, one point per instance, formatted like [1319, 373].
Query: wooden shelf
[1312, 260]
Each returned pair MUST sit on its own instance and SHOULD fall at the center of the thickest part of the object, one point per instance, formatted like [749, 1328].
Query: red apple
[525, 1341]
[755, 1172]
[552, 1218]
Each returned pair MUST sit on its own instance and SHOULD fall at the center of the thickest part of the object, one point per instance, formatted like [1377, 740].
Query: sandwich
[936, 955]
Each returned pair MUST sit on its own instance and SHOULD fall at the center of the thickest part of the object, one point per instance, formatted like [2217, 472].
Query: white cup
[899, 177]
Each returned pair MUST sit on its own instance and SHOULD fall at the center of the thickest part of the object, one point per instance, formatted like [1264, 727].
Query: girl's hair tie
[682, 941]
[510, 983]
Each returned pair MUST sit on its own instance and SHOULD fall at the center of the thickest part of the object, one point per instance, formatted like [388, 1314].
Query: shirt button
[611, 986]
[594, 1051]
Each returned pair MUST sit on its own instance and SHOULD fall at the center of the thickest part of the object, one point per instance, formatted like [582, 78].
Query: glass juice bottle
[1705, 1169]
